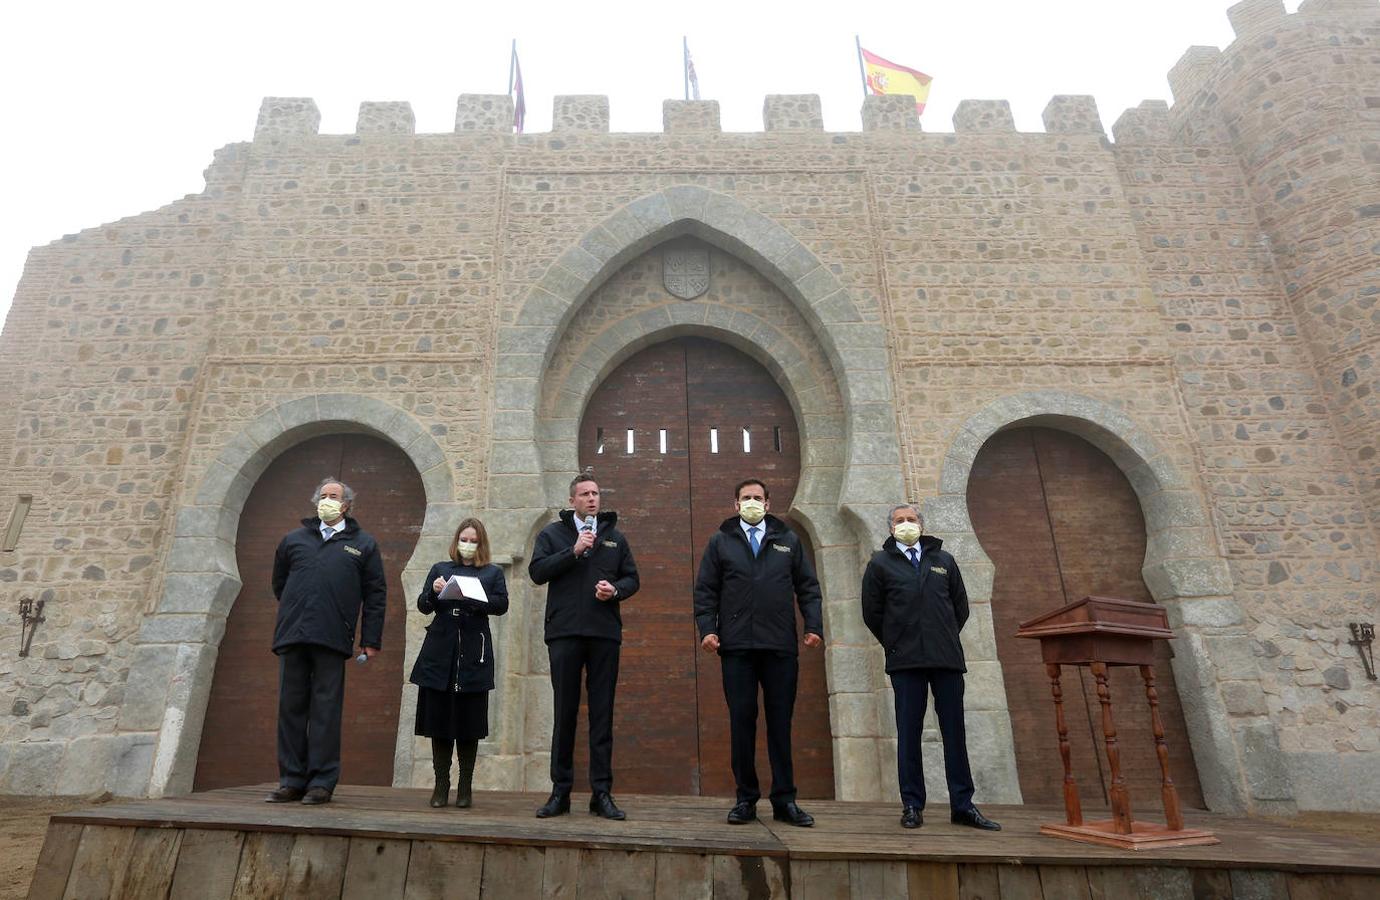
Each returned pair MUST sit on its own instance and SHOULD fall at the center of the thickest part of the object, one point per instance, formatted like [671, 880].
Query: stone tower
[1298, 98]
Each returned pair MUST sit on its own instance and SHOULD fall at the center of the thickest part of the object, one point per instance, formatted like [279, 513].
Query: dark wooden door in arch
[239, 738]
[1061, 522]
[669, 434]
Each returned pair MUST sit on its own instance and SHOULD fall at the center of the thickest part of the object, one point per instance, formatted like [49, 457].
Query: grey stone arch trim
[1240, 765]
[176, 648]
[844, 516]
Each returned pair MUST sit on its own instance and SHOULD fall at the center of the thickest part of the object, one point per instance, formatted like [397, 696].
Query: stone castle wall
[1197, 298]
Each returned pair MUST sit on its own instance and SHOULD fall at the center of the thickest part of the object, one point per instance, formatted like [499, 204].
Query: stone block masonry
[1198, 293]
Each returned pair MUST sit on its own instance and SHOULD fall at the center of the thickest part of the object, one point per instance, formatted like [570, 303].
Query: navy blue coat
[321, 587]
[749, 602]
[572, 610]
[916, 615]
[458, 650]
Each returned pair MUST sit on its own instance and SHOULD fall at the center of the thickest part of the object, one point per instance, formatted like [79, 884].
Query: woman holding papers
[455, 670]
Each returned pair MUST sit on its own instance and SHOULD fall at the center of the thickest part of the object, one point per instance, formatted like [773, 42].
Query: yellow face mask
[328, 510]
[906, 533]
[752, 511]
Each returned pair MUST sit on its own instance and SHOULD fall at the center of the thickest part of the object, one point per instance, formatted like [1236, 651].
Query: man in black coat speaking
[588, 569]
[753, 573]
[914, 603]
[323, 574]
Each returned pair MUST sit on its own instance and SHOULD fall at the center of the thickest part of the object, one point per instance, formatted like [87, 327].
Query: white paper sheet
[458, 586]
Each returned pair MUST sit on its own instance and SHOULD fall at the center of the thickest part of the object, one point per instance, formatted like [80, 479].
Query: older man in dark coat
[915, 604]
[324, 573]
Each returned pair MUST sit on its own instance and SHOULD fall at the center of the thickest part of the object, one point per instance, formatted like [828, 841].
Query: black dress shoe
[911, 817]
[285, 795]
[316, 796]
[555, 805]
[792, 814]
[601, 804]
[742, 813]
[973, 819]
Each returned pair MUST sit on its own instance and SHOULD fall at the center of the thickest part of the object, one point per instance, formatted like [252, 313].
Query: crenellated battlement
[1150, 122]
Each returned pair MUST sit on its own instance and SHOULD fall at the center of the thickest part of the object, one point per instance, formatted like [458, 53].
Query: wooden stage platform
[380, 842]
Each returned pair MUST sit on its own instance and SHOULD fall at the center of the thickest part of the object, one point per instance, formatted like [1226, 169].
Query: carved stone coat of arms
[686, 273]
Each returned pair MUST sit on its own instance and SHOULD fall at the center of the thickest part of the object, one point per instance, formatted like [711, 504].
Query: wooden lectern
[1098, 632]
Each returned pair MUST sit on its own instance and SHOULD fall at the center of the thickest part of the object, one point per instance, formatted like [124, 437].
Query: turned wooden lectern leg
[1169, 795]
[1073, 810]
[1121, 801]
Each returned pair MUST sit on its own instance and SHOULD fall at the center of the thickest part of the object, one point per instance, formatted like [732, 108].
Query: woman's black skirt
[453, 715]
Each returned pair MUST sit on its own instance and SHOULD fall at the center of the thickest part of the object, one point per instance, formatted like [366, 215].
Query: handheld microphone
[362, 658]
[589, 525]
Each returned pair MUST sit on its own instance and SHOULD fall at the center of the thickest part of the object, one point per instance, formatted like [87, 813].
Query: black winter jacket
[916, 615]
[571, 607]
[458, 650]
[749, 602]
[321, 586]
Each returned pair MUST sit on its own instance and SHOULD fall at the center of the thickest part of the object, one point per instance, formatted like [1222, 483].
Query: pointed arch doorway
[1060, 522]
[238, 740]
[668, 434]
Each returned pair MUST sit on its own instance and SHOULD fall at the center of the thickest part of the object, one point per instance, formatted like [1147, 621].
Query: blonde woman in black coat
[454, 671]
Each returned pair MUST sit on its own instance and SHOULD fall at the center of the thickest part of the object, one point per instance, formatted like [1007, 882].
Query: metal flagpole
[862, 70]
[685, 63]
[512, 64]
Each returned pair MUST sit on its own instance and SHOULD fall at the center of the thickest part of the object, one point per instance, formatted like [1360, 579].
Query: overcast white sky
[110, 109]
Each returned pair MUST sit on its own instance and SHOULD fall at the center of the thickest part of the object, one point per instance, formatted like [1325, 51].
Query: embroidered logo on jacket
[352, 551]
[939, 570]
[610, 543]
[781, 548]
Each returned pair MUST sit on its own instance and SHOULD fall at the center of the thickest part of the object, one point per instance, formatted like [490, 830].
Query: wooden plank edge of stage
[228, 842]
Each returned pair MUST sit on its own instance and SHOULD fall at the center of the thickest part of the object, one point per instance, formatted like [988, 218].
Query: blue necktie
[914, 558]
[752, 538]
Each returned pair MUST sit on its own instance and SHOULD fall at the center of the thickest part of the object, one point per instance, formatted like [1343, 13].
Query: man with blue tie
[752, 574]
[915, 604]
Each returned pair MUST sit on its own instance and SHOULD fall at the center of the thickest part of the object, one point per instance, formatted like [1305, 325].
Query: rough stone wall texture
[1266, 263]
[1210, 276]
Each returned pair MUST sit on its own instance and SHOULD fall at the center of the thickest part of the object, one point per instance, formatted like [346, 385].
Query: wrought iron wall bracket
[30, 615]
[1362, 636]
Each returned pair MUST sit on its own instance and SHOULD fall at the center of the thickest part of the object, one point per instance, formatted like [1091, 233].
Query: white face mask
[906, 533]
[467, 549]
[328, 510]
[752, 511]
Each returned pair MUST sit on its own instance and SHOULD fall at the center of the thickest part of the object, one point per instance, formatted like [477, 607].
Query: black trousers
[311, 694]
[776, 673]
[597, 658]
[912, 687]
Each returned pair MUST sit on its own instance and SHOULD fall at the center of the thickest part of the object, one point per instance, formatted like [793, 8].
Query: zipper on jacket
[481, 648]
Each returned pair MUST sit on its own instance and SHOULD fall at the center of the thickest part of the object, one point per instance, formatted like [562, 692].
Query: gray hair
[910, 506]
[348, 491]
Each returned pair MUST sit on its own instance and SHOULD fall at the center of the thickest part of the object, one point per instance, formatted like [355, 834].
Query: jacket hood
[606, 519]
[314, 523]
[770, 525]
[926, 542]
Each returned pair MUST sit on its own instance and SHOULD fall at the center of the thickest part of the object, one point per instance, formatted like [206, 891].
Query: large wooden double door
[669, 434]
[1061, 522]
[239, 738]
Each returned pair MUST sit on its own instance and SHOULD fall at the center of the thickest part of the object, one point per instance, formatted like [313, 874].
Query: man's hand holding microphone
[583, 544]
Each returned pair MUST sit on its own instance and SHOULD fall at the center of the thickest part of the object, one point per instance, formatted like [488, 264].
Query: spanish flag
[884, 77]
